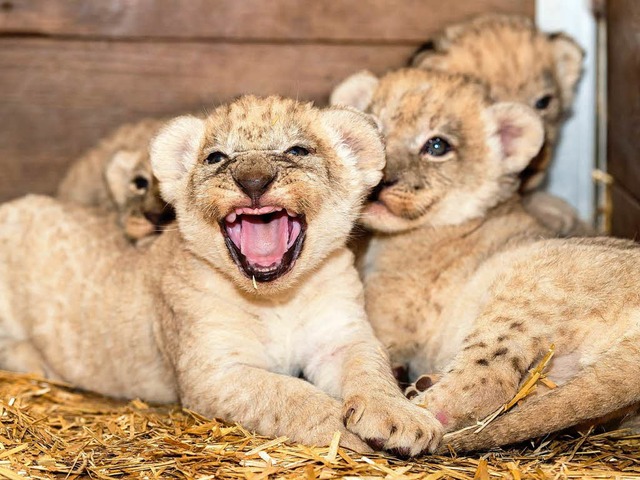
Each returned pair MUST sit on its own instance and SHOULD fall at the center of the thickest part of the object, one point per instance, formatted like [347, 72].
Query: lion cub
[519, 64]
[115, 176]
[459, 280]
[253, 289]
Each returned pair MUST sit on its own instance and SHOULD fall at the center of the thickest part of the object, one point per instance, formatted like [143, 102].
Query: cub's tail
[602, 388]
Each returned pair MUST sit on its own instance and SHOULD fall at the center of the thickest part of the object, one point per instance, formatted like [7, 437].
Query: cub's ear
[357, 140]
[568, 57]
[355, 91]
[119, 173]
[173, 152]
[517, 132]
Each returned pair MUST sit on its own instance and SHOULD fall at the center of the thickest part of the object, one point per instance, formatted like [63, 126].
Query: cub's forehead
[427, 100]
[253, 123]
[511, 58]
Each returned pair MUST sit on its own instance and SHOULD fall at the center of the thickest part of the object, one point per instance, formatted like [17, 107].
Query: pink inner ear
[352, 141]
[509, 133]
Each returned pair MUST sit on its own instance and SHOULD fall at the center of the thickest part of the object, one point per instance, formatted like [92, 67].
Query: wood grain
[311, 20]
[58, 98]
[626, 214]
[624, 95]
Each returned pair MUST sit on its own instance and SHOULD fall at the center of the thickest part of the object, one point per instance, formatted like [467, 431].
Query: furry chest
[278, 332]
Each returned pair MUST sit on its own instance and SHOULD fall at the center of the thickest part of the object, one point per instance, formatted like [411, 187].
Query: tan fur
[105, 177]
[179, 320]
[520, 64]
[459, 279]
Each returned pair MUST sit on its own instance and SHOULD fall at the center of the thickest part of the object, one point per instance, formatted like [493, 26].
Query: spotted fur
[461, 282]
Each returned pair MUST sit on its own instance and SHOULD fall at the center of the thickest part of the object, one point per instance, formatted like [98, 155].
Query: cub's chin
[264, 242]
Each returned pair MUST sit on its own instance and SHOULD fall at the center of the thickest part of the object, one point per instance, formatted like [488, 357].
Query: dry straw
[49, 430]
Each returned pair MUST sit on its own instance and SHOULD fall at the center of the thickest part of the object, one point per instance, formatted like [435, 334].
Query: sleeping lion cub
[254, 288]
[460, 281]
[115, 176]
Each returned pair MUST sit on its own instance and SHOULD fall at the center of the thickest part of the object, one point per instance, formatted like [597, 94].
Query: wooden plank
[624, 95]
[58, 98]
[311, 20]
[626, 214]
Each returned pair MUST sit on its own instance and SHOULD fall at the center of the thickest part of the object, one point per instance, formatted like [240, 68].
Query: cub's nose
[254, 184]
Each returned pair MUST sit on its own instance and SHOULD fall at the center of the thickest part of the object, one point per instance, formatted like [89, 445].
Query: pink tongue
[263, 243]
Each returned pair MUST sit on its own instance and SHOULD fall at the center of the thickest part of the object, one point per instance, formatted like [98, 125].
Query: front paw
[392, 424]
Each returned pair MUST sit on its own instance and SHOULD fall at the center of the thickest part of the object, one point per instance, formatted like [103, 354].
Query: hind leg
[485, 374]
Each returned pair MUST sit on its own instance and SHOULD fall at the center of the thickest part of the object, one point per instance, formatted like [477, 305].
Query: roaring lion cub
[115, 176]
[460, 281]
[254, 289]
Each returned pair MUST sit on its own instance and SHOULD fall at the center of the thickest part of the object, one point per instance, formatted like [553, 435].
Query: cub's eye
[139, 184]
[436, 147]
[298, 151]
[215, 157]
[543, 102]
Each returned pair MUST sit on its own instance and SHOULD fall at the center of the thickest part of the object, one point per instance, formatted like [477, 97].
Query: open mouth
[264, 242]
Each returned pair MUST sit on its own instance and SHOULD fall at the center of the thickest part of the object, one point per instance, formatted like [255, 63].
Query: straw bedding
[50, 430]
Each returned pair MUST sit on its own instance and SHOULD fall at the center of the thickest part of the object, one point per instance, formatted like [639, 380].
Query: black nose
[254, 185]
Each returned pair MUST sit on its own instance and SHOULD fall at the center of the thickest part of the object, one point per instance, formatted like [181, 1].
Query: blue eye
[298, 151]
[436, 147]
[215, 157]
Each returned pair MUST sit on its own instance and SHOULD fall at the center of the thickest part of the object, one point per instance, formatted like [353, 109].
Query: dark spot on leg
[499, 352]
[502, 338]
[483, 361]
[476, 345]
[500, 319]
[517, 365]
[517, 326]
[471, 337]
[394, 429]
[419, 435]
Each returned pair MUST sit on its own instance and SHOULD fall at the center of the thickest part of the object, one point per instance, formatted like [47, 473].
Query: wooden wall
[623, 133]
[71, 70]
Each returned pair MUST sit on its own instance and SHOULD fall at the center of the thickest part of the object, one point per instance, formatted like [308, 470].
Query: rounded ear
[518, 133]
[173, 152]
[355, 91]
[568, 57]
[119, 173]
[357, 140]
